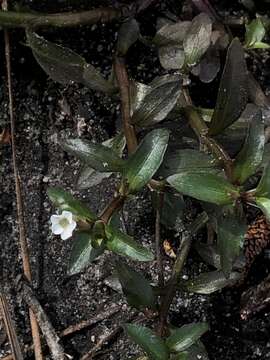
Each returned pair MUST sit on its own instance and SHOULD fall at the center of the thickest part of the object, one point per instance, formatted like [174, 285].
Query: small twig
[105, 314]
[160, 199]
[46, 327]
[60, 20]
[123, 84]
[10, 329]
[19, 202]
[105, 339]
[200, 128]
[178, 267]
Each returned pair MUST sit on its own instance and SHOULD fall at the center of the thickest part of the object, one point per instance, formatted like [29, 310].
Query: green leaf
[260, 45]
[196, 351]
[264, 205]
[151, 344]
[64, 65]
[88, 176]
[255, 32]
[128, 34]
[172, 34]
[158, 101]
[205, 187]
[263, 188]
[231, 232]
[207, 283]
[232, 94]
[82, 253]
[98, 156]
[125, 245]
[198, 39]
[144, 163]
[186, 160]
[136, 288]
[65, 201]
[182, 338]
[251, 154]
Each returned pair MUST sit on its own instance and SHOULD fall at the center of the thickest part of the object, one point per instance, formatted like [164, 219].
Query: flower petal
[67, 233]
[55, 219]
[67, 215]
[73, 224]
[57, 229]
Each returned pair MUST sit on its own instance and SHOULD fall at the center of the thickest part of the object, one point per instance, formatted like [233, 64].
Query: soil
[46, 112]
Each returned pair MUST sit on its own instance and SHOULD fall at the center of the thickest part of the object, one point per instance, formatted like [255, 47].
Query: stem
[123, 83]
[113, 206]
[160, 196]
[19, 201]
[201, 130]
[183, 251]
[60, 20]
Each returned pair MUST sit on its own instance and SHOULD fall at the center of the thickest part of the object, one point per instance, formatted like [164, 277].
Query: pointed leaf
[64, 65]
[186, 160]
[128, 34]
[144, 163]
[158, 101]
[182, 338]
[65, 201]
[98, 156]
[205, 187]
[207, 283]
[264, 205]
[151, 344]
[263, 189]
[255, 32]
[231, 232]
[198, 39]
[125, 245]
[209, 254]
[136, 288]
[88, 176]
[251, 154]
[172, 34]
[232, 94]
[82, 253]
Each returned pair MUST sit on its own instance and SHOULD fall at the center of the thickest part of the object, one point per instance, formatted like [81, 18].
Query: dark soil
[46, 111]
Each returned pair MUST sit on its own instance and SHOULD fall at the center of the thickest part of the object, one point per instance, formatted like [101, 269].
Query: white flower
[63, 224]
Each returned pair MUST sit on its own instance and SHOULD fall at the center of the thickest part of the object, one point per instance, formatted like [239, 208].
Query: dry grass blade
[10, 329]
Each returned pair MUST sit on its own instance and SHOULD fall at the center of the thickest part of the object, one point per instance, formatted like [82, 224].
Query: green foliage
[251, 154]
[125, 245]
[152, 344]
[205, 187]
[136, 288]
[255, 32]
[232, 94]
[64, 65]
[97, 156]
[144, 163]
[182, 338]
[231, 231]
[65, 201]
[83, 253]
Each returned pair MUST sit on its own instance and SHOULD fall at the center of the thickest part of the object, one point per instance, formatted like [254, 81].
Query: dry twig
[19, 202]
[10, 329]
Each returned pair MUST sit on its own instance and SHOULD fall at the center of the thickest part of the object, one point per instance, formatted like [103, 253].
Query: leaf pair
[184, 43]
[181, 341]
